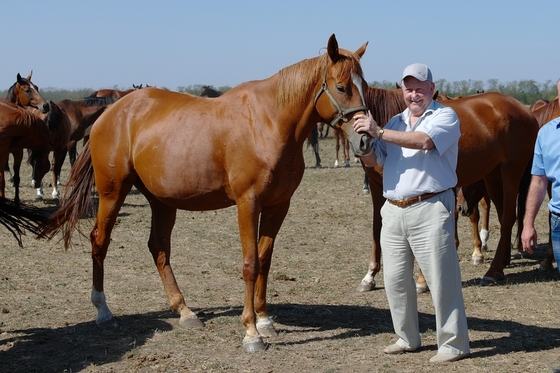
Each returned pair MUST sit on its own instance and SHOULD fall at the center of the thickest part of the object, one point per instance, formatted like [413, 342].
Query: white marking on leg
[103, 312]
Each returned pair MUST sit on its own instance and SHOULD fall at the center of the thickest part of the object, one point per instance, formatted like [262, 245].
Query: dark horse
[497, 139]
[208, 91]
[243, 148]
[82, 114]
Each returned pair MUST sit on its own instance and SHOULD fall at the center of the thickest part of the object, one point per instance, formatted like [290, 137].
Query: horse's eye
[340, 89]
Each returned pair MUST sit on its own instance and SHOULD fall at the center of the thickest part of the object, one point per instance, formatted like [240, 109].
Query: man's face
[417, 95]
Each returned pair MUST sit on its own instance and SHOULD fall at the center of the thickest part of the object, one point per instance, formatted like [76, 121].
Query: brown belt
[410, 201]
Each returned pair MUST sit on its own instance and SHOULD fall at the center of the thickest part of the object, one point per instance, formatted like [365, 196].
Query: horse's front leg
[159, 243]
[271, 221]
[247, 215]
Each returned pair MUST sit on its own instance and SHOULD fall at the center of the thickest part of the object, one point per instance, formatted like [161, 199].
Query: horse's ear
[436, 94]
[332, 49]
[360, 52]
[397, 86]
[19, 78]
[30, 75]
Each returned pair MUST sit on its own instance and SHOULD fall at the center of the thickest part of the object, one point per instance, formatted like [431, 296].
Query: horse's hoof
[266, 328]
[421, 289]
[253, 344]
[545, 267]
[191, 322]
[366, 286]
[477, 260]
[38, 198]
[108, 324]
[365, 190]
[486, 280]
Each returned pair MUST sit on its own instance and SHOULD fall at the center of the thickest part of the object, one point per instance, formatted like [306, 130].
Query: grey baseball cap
[419, 71]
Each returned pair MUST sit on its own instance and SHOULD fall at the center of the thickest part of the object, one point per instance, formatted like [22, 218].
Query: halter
[341, 111]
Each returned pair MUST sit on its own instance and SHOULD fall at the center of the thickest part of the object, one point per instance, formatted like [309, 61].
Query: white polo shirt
[410, 172]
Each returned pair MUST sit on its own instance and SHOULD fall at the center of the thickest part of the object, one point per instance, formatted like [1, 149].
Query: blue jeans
[555, 237]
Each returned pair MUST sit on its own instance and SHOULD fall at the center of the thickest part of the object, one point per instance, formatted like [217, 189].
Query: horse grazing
[243, 148]
[114, 93]
[82, 114]
[497, 141]
[208, 91]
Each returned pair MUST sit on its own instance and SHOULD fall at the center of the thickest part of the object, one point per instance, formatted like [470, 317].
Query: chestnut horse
[23, 94]
[497, 141]
[20, 129]
[243, 148]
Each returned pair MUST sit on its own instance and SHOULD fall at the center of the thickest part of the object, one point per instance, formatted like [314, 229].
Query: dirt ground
[325, 325]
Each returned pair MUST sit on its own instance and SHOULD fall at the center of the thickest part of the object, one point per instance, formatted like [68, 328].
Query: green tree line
[526, 91]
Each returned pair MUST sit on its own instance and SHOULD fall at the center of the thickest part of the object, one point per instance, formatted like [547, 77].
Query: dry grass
[47, 321]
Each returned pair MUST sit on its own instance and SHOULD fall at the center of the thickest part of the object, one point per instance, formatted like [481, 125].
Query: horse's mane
[545, 113]
[54, 116]
[384, 103]
[10, 96]
[98, 101]
[298, 80]
[24, 116]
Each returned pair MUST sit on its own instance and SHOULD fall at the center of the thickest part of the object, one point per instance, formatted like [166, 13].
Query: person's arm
[537, 190]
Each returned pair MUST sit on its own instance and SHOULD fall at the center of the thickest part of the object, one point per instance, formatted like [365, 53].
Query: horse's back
[495, 130]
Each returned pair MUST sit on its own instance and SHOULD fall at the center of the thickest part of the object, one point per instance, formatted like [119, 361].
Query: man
[418, 152]
[545, 168]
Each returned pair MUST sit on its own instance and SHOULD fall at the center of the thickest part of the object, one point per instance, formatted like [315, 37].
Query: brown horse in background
[497, 140]
[208, 91]
[471, 200]
[20, 129]
[59, 127]
[114, 93]
[23, 94]
[243, 148]
[82, 114]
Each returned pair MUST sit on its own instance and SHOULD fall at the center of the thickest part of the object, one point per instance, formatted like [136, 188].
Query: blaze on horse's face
[27, 94]
[342, 93]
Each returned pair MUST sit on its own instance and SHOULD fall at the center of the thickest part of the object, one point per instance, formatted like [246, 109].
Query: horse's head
[25, 93]
[341, 94]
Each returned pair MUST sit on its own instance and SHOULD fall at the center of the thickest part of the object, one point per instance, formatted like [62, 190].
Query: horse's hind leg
[159, 243]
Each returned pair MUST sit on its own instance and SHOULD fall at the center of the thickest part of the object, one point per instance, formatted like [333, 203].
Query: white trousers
[424, 231]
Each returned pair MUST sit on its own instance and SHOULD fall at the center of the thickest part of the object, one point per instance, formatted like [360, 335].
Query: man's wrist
[380, 133]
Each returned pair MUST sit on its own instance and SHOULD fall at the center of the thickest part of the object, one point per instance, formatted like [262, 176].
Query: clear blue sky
[101, 44]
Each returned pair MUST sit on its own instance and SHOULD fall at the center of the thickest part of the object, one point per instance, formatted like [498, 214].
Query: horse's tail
[18, 218]
[76, 201]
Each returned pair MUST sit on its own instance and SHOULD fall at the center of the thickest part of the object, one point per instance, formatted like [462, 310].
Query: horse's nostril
[46, 108]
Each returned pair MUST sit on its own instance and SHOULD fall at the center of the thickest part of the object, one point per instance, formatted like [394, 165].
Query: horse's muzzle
[361, 144]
